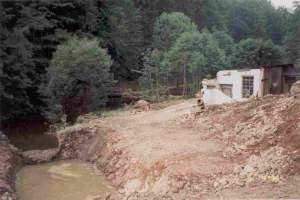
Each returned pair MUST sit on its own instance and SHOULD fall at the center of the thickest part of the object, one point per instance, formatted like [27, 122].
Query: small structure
[242, 84]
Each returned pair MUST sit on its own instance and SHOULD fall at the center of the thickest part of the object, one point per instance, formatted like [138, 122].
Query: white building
[239, 85]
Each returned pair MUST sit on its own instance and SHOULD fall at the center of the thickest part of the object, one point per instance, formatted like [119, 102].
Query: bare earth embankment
[243, 150]
[9, 162]
[238, 151]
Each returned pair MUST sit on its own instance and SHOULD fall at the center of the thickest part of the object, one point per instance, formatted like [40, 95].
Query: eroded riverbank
[173, 154]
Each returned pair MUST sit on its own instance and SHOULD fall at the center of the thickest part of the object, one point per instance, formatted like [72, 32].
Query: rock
[142, 105]
[6, 196]
[295, 89]
[241, 183]
[248, 169]
[132, 186]
[178, 186]
[39, 156]
[3, 137]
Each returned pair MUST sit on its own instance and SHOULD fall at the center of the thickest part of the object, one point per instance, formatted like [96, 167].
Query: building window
[247, 86]
[226, 89]
[210, 87]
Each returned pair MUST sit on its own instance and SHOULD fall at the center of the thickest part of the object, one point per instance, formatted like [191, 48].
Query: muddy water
[30, 134]
[64, 180]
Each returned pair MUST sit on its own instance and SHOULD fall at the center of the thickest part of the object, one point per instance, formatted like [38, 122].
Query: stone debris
[271, 166]
[6, 196]
[260, 134]
[39, 156]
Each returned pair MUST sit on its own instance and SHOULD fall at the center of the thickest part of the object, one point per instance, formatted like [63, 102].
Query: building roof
[282, 65]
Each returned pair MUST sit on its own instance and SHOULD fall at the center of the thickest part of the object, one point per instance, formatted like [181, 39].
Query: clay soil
[247, 150]
[242, 150]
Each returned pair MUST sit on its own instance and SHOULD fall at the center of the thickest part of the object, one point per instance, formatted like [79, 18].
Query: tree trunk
[184, 91]
[157, 83]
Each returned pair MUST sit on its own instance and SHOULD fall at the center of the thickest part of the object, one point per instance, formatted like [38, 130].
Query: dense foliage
[78, 78]
[256, 52]
[151, 38]
[30, 32]
[169, 27]
[195, 54]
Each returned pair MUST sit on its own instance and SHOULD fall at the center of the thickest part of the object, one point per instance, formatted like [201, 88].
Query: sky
[285, 3]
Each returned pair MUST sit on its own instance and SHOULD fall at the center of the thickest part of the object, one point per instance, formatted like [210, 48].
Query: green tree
[30, 32]
[226, 43]
[16, 70]
[248, 19]
[196, 52]
[125, 38]
[168, 28]
[78, 78]
[256, 52]
[214, 14]
[277, 24]
[152, 81]
[292, 40]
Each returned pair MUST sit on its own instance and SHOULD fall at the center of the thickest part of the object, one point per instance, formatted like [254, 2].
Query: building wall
[234, 78]
[215, 97]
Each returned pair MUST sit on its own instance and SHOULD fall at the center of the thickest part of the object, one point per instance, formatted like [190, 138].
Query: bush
[78, 79]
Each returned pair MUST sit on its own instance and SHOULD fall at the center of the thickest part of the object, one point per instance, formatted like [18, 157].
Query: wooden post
[184, 79]
[157, 83]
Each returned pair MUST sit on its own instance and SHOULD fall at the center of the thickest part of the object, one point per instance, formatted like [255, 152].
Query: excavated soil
[241, 150]
[177, 153]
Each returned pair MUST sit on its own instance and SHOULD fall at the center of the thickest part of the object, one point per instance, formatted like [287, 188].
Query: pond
[62, 180]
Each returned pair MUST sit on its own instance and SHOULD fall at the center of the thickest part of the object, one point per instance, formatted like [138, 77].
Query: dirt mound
[262, 138]
[142, 105]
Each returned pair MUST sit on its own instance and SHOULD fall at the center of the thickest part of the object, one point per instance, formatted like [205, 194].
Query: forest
[65, 57]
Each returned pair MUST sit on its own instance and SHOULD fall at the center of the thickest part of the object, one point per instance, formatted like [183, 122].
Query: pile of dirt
[261, 136]
[270, 166]
[142, 105]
